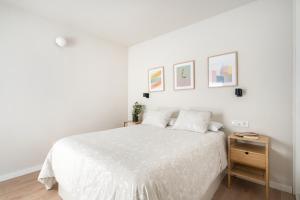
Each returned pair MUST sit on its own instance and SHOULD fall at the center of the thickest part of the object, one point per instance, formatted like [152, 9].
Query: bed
[140, 162]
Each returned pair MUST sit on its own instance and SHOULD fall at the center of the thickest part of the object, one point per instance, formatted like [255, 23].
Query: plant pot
[135, 118]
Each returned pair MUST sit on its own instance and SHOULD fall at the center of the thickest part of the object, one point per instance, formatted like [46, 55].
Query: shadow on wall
[279, 156]
[65, 42]
[71, 41]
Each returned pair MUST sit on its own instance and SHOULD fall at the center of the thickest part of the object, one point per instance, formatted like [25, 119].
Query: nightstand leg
[229, 163]
[267, 192]
[229, 180]
[267, 171]
[267, 184]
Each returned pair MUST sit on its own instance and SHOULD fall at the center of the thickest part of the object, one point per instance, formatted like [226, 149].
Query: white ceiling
[127, 21]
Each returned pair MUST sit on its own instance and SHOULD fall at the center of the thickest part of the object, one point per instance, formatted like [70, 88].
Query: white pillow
[214, 126]
[192, 120]
[158, 118]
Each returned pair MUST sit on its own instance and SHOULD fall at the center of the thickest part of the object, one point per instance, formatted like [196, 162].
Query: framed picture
[156, 79]
[222, 70]
[184, 76]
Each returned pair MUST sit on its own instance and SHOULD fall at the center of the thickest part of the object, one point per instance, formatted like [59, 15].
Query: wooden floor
[27, 188]
[244, 190]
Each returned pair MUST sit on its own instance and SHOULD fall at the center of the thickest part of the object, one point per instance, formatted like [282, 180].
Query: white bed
[136, 163]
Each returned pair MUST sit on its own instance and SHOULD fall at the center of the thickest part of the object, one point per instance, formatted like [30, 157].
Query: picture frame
[184, 75]
[156, 79]
[223, 70]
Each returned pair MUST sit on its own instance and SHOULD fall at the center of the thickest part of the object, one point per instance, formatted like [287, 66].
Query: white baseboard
[22, 172]
[281, 187]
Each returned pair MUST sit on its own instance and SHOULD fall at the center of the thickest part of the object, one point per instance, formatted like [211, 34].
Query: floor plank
[246, 190]
[28, 188]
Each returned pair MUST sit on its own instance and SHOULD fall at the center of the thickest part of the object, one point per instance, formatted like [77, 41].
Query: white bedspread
[136, 163]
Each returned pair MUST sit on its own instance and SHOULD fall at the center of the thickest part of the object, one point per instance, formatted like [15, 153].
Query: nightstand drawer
[249, 158]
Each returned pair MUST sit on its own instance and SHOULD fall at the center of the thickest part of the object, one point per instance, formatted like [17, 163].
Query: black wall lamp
[238, 92]
[146, 95]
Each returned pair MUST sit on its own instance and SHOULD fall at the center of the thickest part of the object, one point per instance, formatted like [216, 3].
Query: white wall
[297, 100]
[47, 92]
[261, 32]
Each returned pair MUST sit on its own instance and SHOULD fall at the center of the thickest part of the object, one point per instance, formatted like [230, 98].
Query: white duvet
[136, 163]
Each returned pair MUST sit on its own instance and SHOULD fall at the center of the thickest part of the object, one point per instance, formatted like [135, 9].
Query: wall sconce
[238, 92]
[61, 41]
[146, 95]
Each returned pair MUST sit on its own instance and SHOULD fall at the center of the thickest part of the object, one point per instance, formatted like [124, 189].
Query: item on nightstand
[249, 159]
[247, 135]
[251, 137]
[136, 111]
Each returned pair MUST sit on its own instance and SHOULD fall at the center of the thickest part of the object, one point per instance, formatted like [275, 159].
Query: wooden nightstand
[131, 123]
[249, 159]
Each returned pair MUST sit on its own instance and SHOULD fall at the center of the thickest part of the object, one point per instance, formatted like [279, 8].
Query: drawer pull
[246, 153]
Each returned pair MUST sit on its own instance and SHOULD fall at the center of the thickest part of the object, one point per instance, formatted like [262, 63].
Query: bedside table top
[132, 122]
[261, 138]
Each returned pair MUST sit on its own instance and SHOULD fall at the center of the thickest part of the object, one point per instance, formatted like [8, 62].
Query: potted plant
[136, 111]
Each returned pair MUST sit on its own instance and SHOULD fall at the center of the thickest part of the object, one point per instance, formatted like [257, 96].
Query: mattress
[136, 163]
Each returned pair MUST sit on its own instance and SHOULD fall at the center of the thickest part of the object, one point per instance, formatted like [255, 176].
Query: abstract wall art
[184, 76]
[222, 70]
[156, 79]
